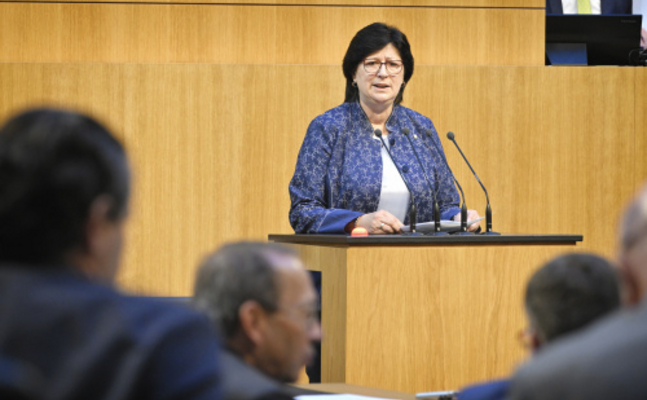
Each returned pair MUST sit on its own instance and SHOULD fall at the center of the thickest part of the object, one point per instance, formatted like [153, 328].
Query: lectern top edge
[391, 240]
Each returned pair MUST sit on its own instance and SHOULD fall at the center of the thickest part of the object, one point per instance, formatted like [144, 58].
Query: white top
[640, 7]
[570, 6]
[394, 197]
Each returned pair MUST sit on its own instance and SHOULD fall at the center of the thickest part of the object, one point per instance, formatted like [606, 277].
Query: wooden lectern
[426, 313]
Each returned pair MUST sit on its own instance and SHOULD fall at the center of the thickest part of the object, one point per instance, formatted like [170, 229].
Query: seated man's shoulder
[70, 295]
[242, 381]
[584, 363]
[64, 325]
[493, 390]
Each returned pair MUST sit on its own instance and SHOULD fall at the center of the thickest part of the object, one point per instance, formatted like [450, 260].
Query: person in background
[263, 302]
[601, 7]
[588, 6]
[64, 190]
[608, 360]
[344, 177]
[567, 294]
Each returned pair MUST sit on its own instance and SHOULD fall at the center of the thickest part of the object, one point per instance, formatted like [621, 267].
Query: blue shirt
[338, 176]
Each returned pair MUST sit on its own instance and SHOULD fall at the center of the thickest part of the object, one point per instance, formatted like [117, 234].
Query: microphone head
[428, 133]
[405, 131]
[378, 133]
[450, 135]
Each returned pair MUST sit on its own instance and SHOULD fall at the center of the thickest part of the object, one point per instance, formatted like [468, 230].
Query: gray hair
[234, 274]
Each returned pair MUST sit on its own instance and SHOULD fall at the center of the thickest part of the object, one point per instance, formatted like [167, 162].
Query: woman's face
[379, 89]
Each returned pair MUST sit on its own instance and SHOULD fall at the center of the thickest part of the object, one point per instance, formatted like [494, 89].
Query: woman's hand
[471, 215]
[380, 223]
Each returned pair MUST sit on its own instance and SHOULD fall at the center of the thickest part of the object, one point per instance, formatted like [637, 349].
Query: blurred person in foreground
[64, 190]
[344, 177]
[567, 294]
[608, 360]
[262, 300]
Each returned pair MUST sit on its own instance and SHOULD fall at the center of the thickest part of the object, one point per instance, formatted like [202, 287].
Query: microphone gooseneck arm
[488, 208]
[450, 136]
[442, 157]
[436, 209]
[413, 212]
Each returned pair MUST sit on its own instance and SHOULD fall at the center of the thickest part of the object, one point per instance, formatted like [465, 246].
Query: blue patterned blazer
[338, 175]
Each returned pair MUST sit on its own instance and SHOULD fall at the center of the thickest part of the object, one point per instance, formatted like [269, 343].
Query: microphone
[488, 209]
[413, 213]
[436, 210]
[463, 230]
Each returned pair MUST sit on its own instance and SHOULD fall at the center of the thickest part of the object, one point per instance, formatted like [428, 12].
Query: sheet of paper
[336, 397]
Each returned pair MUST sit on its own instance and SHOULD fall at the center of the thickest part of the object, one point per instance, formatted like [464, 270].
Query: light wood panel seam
[637, 157]
[275, 5]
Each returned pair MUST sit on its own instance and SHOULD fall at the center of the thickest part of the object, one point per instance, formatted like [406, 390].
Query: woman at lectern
[357, 165]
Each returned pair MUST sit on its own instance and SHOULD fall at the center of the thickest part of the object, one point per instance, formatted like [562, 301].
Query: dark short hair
[367, 41]
[570, 292]
[53, 165]
[234, 274]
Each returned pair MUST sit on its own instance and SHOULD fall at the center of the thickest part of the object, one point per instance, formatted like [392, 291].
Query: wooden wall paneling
[640, 166]
[260, 34]
[97, 89]
[552, 145]
[228, 147]
[213, 147]
[366, 3]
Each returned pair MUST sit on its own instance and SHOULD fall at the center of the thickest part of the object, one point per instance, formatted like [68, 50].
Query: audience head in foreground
[64, 189]
[263, 301]
[565, 295]
[606, 361]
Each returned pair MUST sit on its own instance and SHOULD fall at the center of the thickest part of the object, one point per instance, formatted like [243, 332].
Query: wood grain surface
[213, 147]
[365, 3]
[413, 319]
[640, 166]
[260, 34]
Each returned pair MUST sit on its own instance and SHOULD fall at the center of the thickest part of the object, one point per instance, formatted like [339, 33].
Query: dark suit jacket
[18, 380]
[243, 382]
[494, 390]
[607, 7]
[87, 341]
[605, 361]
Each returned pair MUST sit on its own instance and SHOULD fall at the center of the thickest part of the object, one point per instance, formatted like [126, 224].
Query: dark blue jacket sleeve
[183, 360]
[310, 196]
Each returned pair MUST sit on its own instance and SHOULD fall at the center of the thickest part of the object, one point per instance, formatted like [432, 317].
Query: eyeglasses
[393, 67]
[305, 314]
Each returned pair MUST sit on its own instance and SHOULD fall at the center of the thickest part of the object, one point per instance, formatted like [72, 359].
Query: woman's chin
[380, 100]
